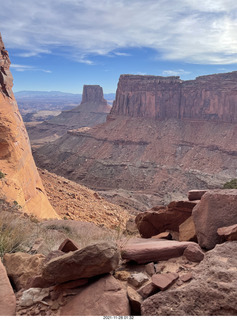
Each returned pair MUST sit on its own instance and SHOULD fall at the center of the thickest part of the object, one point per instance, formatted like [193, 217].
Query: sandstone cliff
[147, 153]
[20, 181]
[212, 97]
[92, 110]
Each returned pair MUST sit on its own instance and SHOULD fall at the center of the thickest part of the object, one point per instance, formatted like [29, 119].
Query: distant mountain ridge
[40, 94]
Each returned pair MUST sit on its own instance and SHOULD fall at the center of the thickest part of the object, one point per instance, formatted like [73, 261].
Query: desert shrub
[14, 233]
[2, 175]
[230, 184]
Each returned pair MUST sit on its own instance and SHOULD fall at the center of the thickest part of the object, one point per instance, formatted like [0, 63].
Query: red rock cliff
[212, 97]
[21, 181]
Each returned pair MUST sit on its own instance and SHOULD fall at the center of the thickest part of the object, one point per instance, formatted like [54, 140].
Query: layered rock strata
[92, 111]
[211, 97]
[162, 138]
[20, 181]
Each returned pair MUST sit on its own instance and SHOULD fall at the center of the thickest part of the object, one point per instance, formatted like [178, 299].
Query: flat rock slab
[88, 262]
[165, 280]
[153, 250]
[7, 296]
[105, 297]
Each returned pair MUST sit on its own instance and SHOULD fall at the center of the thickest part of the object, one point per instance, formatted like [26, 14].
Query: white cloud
[178, 72]
[195, 31]
[21, 68]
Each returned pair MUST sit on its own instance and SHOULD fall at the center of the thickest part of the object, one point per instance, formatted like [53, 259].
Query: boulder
[22, 267]
[153, 222]
[68, 245]
[150, 268]
[216, 209]
[187, 231]
[96, 259]
[153, 250]
[193, 253]
[212, 291]
[7, 296]
[164, 280]
[105, 297]
[228, 233]
[194, 195]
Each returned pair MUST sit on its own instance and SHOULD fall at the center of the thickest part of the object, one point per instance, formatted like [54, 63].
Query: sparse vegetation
[14, 233]
[232, 184]
[2, 175]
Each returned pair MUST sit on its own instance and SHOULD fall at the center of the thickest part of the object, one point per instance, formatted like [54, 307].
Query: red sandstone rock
[104, 297]
[90, 261]
[22, 267]
[164, 280]
[187, 231]
[193, 253]
[186, 277]
[21, 182]
[150, 223]
[68, 245]
[228, 233]
[7, 296]
[148, 250]
[169, 97]
[148, 289]
[217, 208]
[194, 195]
[71, 284]
[135, 300]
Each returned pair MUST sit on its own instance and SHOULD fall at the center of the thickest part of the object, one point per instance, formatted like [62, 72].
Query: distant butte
[92, 111]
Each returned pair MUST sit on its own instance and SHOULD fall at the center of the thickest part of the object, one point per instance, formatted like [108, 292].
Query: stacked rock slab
[20, 181]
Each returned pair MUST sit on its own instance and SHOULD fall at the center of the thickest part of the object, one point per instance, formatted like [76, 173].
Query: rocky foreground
[131, 275]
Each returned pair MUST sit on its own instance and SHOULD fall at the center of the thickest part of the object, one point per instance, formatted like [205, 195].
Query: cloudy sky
[63, 44]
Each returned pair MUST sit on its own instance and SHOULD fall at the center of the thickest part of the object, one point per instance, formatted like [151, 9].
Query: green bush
[231, 184]
[2, 175]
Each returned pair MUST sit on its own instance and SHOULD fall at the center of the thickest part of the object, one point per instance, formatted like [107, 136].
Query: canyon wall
[212, 97]
[20, 182]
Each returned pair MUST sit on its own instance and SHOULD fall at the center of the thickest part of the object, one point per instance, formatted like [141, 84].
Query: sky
[60, 45]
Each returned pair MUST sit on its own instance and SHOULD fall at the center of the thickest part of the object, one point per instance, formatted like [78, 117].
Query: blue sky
[64, 44]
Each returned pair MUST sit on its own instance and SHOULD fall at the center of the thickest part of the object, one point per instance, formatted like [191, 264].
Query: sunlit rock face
[20, 181]
[212, 97]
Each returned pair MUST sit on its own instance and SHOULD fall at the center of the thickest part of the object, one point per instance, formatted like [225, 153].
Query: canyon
[163, 137]
[92, 110]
